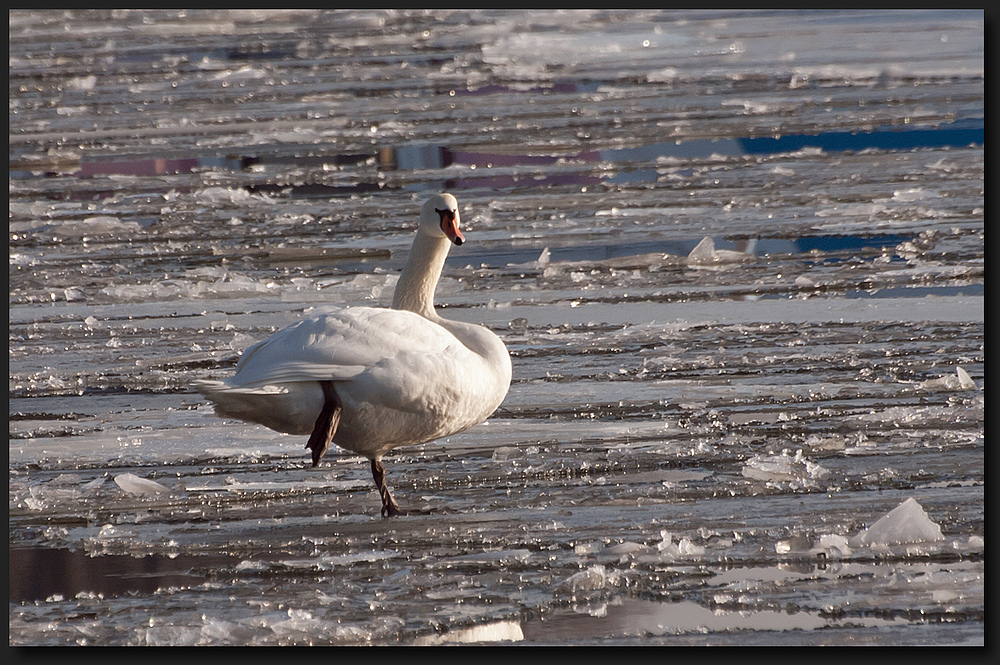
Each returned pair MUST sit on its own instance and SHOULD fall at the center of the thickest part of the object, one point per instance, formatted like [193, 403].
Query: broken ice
[906, 523]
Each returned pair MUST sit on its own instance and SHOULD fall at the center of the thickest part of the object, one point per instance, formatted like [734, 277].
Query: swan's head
[440, 218]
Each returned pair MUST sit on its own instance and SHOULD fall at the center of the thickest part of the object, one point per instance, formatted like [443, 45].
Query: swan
[371, 379]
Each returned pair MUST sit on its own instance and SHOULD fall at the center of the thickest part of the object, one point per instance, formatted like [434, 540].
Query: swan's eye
[446, 215]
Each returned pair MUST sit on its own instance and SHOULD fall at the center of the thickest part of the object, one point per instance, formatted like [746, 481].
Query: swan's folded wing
[338, 345]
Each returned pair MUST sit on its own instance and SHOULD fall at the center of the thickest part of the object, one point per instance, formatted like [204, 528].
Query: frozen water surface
[738, 258]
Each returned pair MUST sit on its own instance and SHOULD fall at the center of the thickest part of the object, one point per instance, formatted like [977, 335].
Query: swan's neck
[415, 288]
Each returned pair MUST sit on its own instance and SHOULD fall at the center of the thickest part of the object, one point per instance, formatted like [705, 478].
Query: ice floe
[906, 523]
[498, 631]
[960, 380]
[133, 484]
[784, 468]
[705, 255]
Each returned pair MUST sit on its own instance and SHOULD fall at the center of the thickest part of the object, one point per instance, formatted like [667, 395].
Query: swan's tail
[292, 408]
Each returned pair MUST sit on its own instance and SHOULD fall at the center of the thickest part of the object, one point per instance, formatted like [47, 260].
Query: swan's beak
[449, 224]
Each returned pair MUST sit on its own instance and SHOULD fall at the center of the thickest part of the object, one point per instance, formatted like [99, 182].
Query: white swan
[372, 379]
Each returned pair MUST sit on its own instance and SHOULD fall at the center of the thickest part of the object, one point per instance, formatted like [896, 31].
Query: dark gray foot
[389, 506]
[326, 424]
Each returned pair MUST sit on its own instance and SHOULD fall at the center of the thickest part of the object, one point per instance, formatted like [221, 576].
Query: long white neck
[415, 288]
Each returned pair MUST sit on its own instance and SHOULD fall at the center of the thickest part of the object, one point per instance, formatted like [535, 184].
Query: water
[698, 431]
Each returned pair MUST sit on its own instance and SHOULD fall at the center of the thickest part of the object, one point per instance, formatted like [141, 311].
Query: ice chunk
[958, 381]
[298, 621]
[247, 564]
[665, 75]
[688, 549]
[964, 380]
[684, 548]
[833, 546]
[588, 548]
[94, 226]
[240, 74]
[906, 523]
[783, 468]
[504, 453]
[706, 255]
[487, 557]
[93, 485]
[44, 496]
[592, 579]
[218, 631]
[500, 631]
[133, 484]
[625, 549]
[666, 540]
[816, 442]
[238, 195]
[82, 82]
[798, 543]
[172, 636]
[908, 195]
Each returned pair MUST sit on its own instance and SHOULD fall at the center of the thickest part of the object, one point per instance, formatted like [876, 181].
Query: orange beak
[449, 224]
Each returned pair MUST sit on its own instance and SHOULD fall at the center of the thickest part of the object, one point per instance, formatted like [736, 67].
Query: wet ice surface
[738, 259]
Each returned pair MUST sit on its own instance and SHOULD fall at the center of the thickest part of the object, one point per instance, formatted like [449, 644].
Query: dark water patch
[41, 573]
[317, 190]
[846, 243]
[956, 135]
[839, 245]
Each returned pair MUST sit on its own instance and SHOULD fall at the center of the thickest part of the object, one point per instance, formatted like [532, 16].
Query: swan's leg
[389, 505]
[326, 424]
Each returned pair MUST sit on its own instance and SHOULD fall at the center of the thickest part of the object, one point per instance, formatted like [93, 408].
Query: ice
[299, 621]
[914, 416]
[906, 523]
[910, 194]
[625, 551]
[238, 75]
[226, 284]
[639, 485]
[374, 286]
[514, 555]
[82, 83]
[271, 486]
[682, 549]
[594, 578]
[217, 195]
[705, 255]
[804, 282]
[499, 631]
[337, 562]
[958, 381]
[665, 75]
[133, 484]
[100, 225]
[784, 468]
[832, 546]
[47, 495]
[172, 636]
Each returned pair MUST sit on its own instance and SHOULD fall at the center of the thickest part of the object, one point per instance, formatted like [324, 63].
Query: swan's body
[372, 379]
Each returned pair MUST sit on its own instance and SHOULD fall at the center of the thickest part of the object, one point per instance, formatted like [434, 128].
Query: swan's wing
[339, 345]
